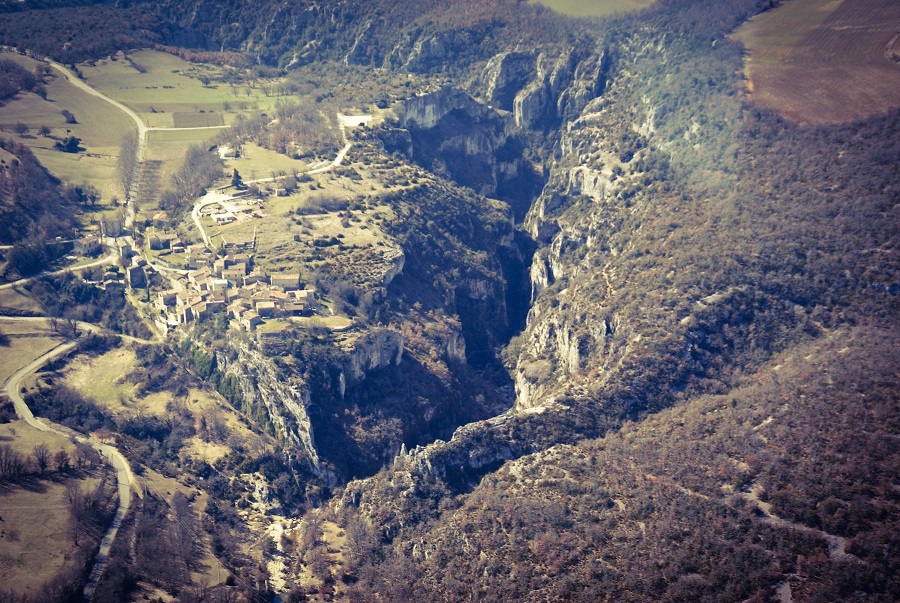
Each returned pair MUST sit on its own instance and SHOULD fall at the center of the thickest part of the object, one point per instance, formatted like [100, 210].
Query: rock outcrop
[284, 397]
[543, 88]
[425, 111]
[378, 349]
[505, 75]
[473, 144]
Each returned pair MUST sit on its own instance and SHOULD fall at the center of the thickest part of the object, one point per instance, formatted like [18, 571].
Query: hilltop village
[229, 284]
[233, 285]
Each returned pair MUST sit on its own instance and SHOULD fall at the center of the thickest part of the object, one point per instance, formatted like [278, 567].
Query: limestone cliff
[375, 350]
[505, 75]
[541, 88]
[285, 398]
[425, 111]
[472, 143]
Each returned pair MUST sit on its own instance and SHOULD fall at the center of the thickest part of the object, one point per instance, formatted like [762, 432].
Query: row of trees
[199, 169]
[128, 162]
[15, 465]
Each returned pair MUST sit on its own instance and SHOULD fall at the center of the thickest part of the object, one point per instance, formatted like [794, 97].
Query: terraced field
[825, 61]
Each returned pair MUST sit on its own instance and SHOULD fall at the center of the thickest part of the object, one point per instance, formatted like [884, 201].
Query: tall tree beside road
[127, 165]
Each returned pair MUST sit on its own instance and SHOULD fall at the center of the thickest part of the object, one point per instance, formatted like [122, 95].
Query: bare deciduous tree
[41, 454]
[61, 459]
[127, 164]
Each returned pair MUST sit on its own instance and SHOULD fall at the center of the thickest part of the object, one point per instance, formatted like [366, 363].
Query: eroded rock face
[426, 110]
[424, 52]
[396, 261]
[473, 144]
[543, 88]
[505, 75]
[285, 398]
[378, 349]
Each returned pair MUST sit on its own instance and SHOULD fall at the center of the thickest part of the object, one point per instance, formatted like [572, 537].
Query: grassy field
[23, 350]
[17, 298]
[824, 61]
[277, 249]
[256, 162]
[100, 127]
[169, 147]
[594, 8]
[170, 85]
[101, 378]
[104, 378]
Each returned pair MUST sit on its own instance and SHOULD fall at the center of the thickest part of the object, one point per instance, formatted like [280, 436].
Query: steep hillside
[416, 36]
[781, 487]
[33, 205]
[685, 240]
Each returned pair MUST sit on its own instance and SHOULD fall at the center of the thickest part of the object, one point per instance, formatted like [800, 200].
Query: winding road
[109, 259]
[212, 198]
[124, 474]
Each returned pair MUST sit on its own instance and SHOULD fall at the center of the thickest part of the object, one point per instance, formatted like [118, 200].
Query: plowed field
[825, 61]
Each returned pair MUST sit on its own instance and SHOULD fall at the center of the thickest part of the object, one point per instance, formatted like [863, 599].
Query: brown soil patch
[35, 541]
[825, 61]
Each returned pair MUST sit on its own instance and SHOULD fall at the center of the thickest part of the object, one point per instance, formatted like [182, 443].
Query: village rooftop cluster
[231, 284]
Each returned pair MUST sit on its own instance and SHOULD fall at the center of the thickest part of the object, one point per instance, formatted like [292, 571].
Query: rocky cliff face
[425, 111]
[284, 397]
[375, 350]
[469, 142]
[505, 75]
[574, 340]
[542, 88]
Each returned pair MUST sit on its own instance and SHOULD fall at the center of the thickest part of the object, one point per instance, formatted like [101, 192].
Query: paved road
[214, 197]
[109, 259]
[124, 475]
[78, 83]
[141, 126]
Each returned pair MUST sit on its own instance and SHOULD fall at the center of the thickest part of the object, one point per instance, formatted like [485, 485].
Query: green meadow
[594, 8]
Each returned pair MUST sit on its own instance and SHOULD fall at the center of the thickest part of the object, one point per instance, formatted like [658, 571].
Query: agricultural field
[167, 91]
[36, 537]
[167, 149]
[99, 126]
[594, 8]
[29, 339]
[824, 61]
